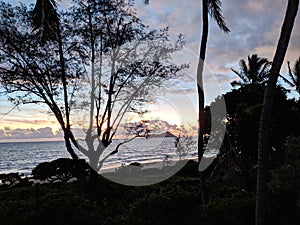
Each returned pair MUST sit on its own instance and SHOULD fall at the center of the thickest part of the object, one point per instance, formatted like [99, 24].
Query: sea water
[22, 157]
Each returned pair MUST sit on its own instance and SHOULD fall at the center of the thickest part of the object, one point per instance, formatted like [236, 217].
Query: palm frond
[236, 72]
[236, 83]
[255, 70]
[244, 71]
[214, 9]
[45, 19]
[296, 69]
[241, 75]
[287, 81]
[243, 66]
[264, 71]
[290, 73]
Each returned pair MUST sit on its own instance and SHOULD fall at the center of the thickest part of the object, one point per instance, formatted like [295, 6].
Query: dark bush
[61, 169]
[13, 179]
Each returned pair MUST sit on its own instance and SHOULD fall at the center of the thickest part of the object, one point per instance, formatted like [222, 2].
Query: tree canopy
[98, 59]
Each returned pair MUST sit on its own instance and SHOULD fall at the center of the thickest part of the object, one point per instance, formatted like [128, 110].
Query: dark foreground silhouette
[174, 201]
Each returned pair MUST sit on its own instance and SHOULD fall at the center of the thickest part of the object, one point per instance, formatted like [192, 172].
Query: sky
[255, 28]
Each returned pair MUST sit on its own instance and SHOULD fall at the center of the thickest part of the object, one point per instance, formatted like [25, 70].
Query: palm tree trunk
[201, 93]
[265, 121]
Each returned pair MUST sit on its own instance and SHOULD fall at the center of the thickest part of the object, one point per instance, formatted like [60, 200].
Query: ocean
[22, 157]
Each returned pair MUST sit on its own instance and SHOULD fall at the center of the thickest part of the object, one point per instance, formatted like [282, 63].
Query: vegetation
[264, 139]
[108, 68]
[294, 76]
[254, 72]
[231, 180]
[176, 200]
[255, 178]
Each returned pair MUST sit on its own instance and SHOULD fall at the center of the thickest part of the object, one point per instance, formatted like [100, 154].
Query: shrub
[62, 169]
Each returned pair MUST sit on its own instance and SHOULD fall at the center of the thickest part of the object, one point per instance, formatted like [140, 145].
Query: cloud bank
[30, 133]
[255, 28]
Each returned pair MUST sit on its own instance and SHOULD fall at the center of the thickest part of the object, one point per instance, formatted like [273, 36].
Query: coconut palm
[212, 8]
[45, 19]
[266, 114]
[254, 71]
[46, 27]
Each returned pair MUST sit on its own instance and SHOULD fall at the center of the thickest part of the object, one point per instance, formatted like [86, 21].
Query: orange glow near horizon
[172, 109]
[15, 123]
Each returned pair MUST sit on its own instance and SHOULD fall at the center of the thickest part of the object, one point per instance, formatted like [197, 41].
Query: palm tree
[294, 75]
[45, 19]
[265, 121]
[254, 71]
[212, 7]
[46, 26]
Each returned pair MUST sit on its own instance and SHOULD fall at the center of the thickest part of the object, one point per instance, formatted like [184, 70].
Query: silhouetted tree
[33, 68]
[265, 122]
[294, 75]
[254, 71]
[127, 61]
[46, 27]
[239, 149]
[212, 7]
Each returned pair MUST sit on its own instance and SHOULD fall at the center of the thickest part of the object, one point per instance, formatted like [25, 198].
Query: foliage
[255, 72]
[13, 179]
[47, 204]
[128, 61]
[239, 149]
[45, 20]
[184, 143]
[237, 208]
[293, 76]
[29, 71]
[62, 169]
[94, 62]
[265, 125]
[176, 201]
[284, 185]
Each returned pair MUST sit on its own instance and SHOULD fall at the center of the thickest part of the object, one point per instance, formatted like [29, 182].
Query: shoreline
[155, 164]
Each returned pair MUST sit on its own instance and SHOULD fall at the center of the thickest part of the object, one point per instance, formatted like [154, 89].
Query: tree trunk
[201, 94]
[68, 136]
[93, 178]
[67, 130]
[265, 121]
[69, 146]
[200, 79]
[63, 76]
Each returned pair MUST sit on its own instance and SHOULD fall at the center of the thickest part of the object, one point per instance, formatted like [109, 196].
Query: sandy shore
[159, 164]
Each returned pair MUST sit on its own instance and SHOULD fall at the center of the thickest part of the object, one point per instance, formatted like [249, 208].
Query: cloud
[184, 91]
[155, 126]
[255, 28]
[26, 121]
[30, 133]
